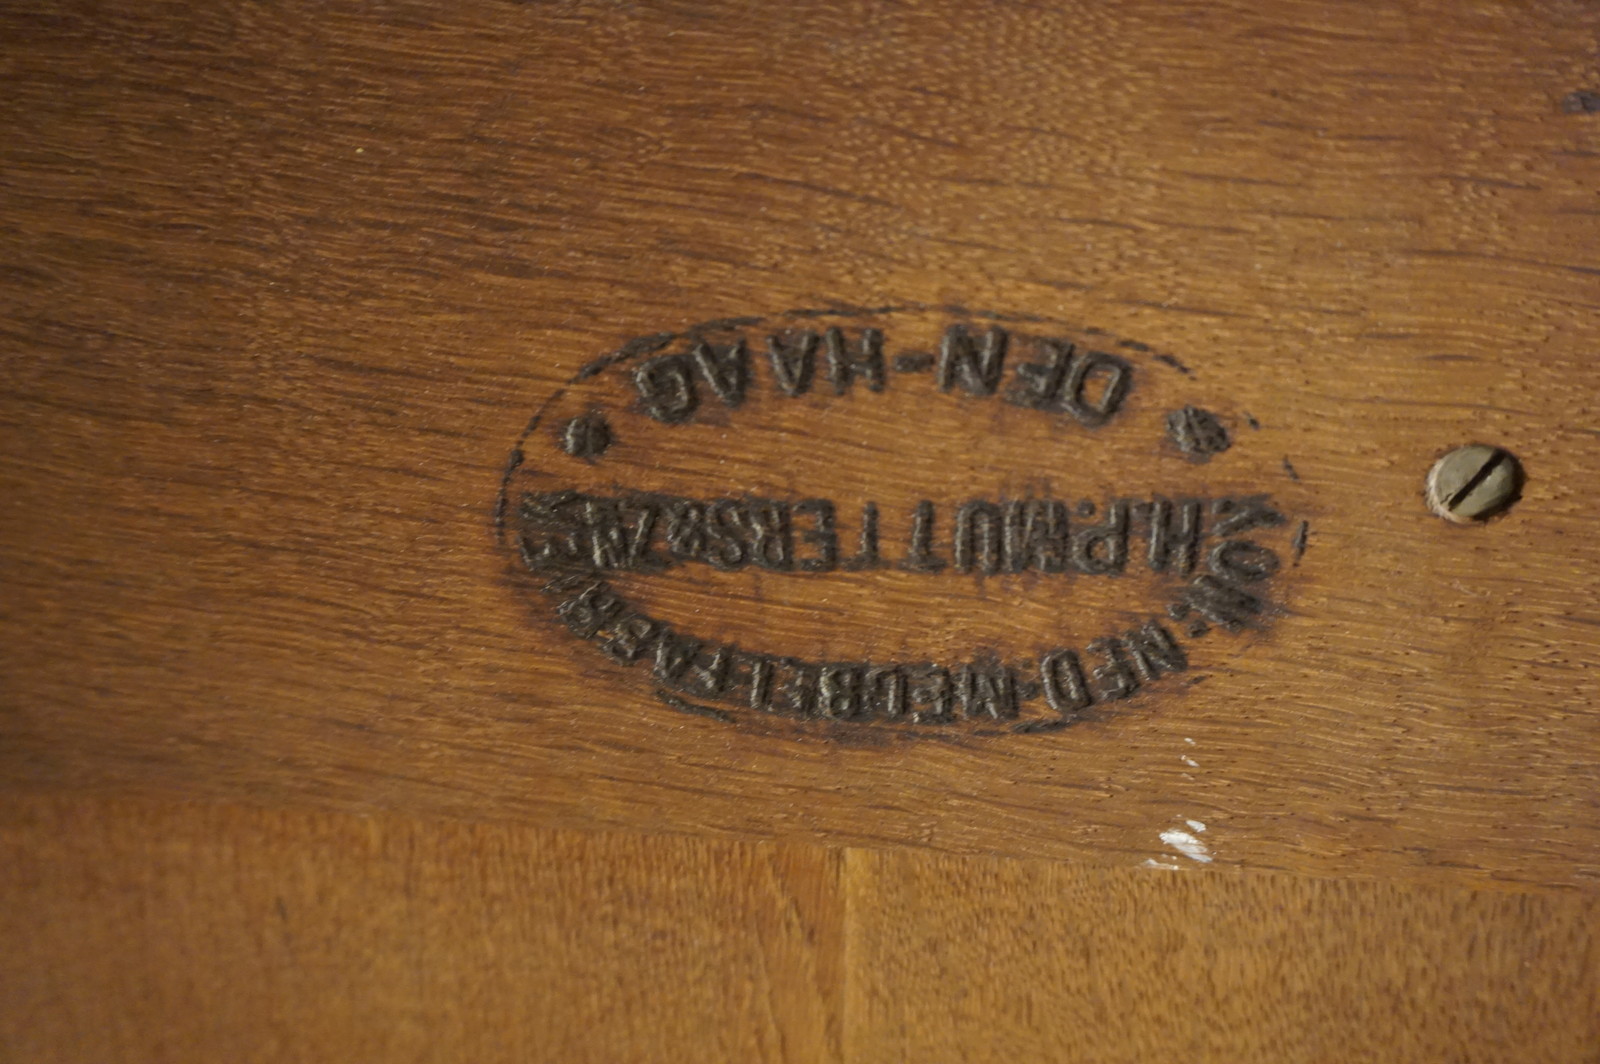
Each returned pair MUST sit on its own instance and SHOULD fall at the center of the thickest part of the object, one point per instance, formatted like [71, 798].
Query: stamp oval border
[1132, 660]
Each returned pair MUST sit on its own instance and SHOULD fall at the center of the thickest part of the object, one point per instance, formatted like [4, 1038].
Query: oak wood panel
[283, 284]
[981, 959]
[188, 932]
[161, 931]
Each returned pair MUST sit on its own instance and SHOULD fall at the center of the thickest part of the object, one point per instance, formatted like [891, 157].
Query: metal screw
[1473, 483]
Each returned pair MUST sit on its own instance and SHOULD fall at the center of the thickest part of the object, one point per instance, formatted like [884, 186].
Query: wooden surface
[282, 286]
[183, 932]
[188, 933]
[286, 285]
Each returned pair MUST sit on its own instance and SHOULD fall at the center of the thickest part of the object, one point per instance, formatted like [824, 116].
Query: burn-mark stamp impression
[1069, 515]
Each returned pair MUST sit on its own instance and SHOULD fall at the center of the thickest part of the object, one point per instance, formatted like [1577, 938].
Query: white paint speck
[1187, 845]
[1151, 862]
[1197, 825]
[1191, 762]
[1188, 740]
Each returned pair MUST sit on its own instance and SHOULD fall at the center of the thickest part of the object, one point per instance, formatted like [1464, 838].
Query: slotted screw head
[1473, 483]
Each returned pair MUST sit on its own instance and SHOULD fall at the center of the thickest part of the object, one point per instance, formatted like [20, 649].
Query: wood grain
[283, 285]
[294, 765]
[187, 932]
[145, 931]
[978, 959]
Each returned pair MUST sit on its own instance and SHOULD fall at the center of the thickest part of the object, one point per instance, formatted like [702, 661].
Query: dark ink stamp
[591, 534]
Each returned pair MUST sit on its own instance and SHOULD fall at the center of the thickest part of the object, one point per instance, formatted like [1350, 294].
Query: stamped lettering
[633, 489]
